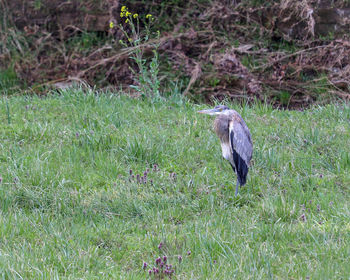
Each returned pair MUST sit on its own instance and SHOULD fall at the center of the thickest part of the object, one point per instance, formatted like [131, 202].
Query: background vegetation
[290, 53]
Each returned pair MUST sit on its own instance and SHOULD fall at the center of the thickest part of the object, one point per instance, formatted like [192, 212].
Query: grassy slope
[68, 210]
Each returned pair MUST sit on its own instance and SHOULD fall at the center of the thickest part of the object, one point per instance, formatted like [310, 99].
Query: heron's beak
[211, 112]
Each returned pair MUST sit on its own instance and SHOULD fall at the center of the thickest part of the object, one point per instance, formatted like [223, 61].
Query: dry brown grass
[209, 45]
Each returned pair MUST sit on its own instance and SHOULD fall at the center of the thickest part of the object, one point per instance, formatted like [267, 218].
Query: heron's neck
[221, 127]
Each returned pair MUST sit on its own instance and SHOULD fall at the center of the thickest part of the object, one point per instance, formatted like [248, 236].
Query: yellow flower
[123, 9]
[127, 20]
[127, 13]
[111, 25]
[121, 14]
[148, 16]
[135, 15]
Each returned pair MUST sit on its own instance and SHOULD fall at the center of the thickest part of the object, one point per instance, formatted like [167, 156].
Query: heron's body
[235, 138]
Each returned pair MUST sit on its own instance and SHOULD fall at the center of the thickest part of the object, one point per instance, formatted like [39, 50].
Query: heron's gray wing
[242, 147]
[240, 139]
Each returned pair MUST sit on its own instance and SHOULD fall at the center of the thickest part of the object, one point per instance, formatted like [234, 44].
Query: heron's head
[218, 110]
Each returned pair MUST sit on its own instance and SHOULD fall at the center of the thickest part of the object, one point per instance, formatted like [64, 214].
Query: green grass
[9, 82]
[68, 210]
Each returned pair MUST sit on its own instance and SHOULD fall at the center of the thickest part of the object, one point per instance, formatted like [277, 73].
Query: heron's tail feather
[241, 168]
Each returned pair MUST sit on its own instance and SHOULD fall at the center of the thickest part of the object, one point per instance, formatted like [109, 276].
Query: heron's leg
[237, 185]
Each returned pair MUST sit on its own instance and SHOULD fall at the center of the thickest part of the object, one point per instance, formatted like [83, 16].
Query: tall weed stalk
[146, 77]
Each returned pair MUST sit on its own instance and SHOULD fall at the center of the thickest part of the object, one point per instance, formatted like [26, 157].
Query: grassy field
[69, 208]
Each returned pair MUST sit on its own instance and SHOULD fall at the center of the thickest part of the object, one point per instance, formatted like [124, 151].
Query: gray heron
[236, 141]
